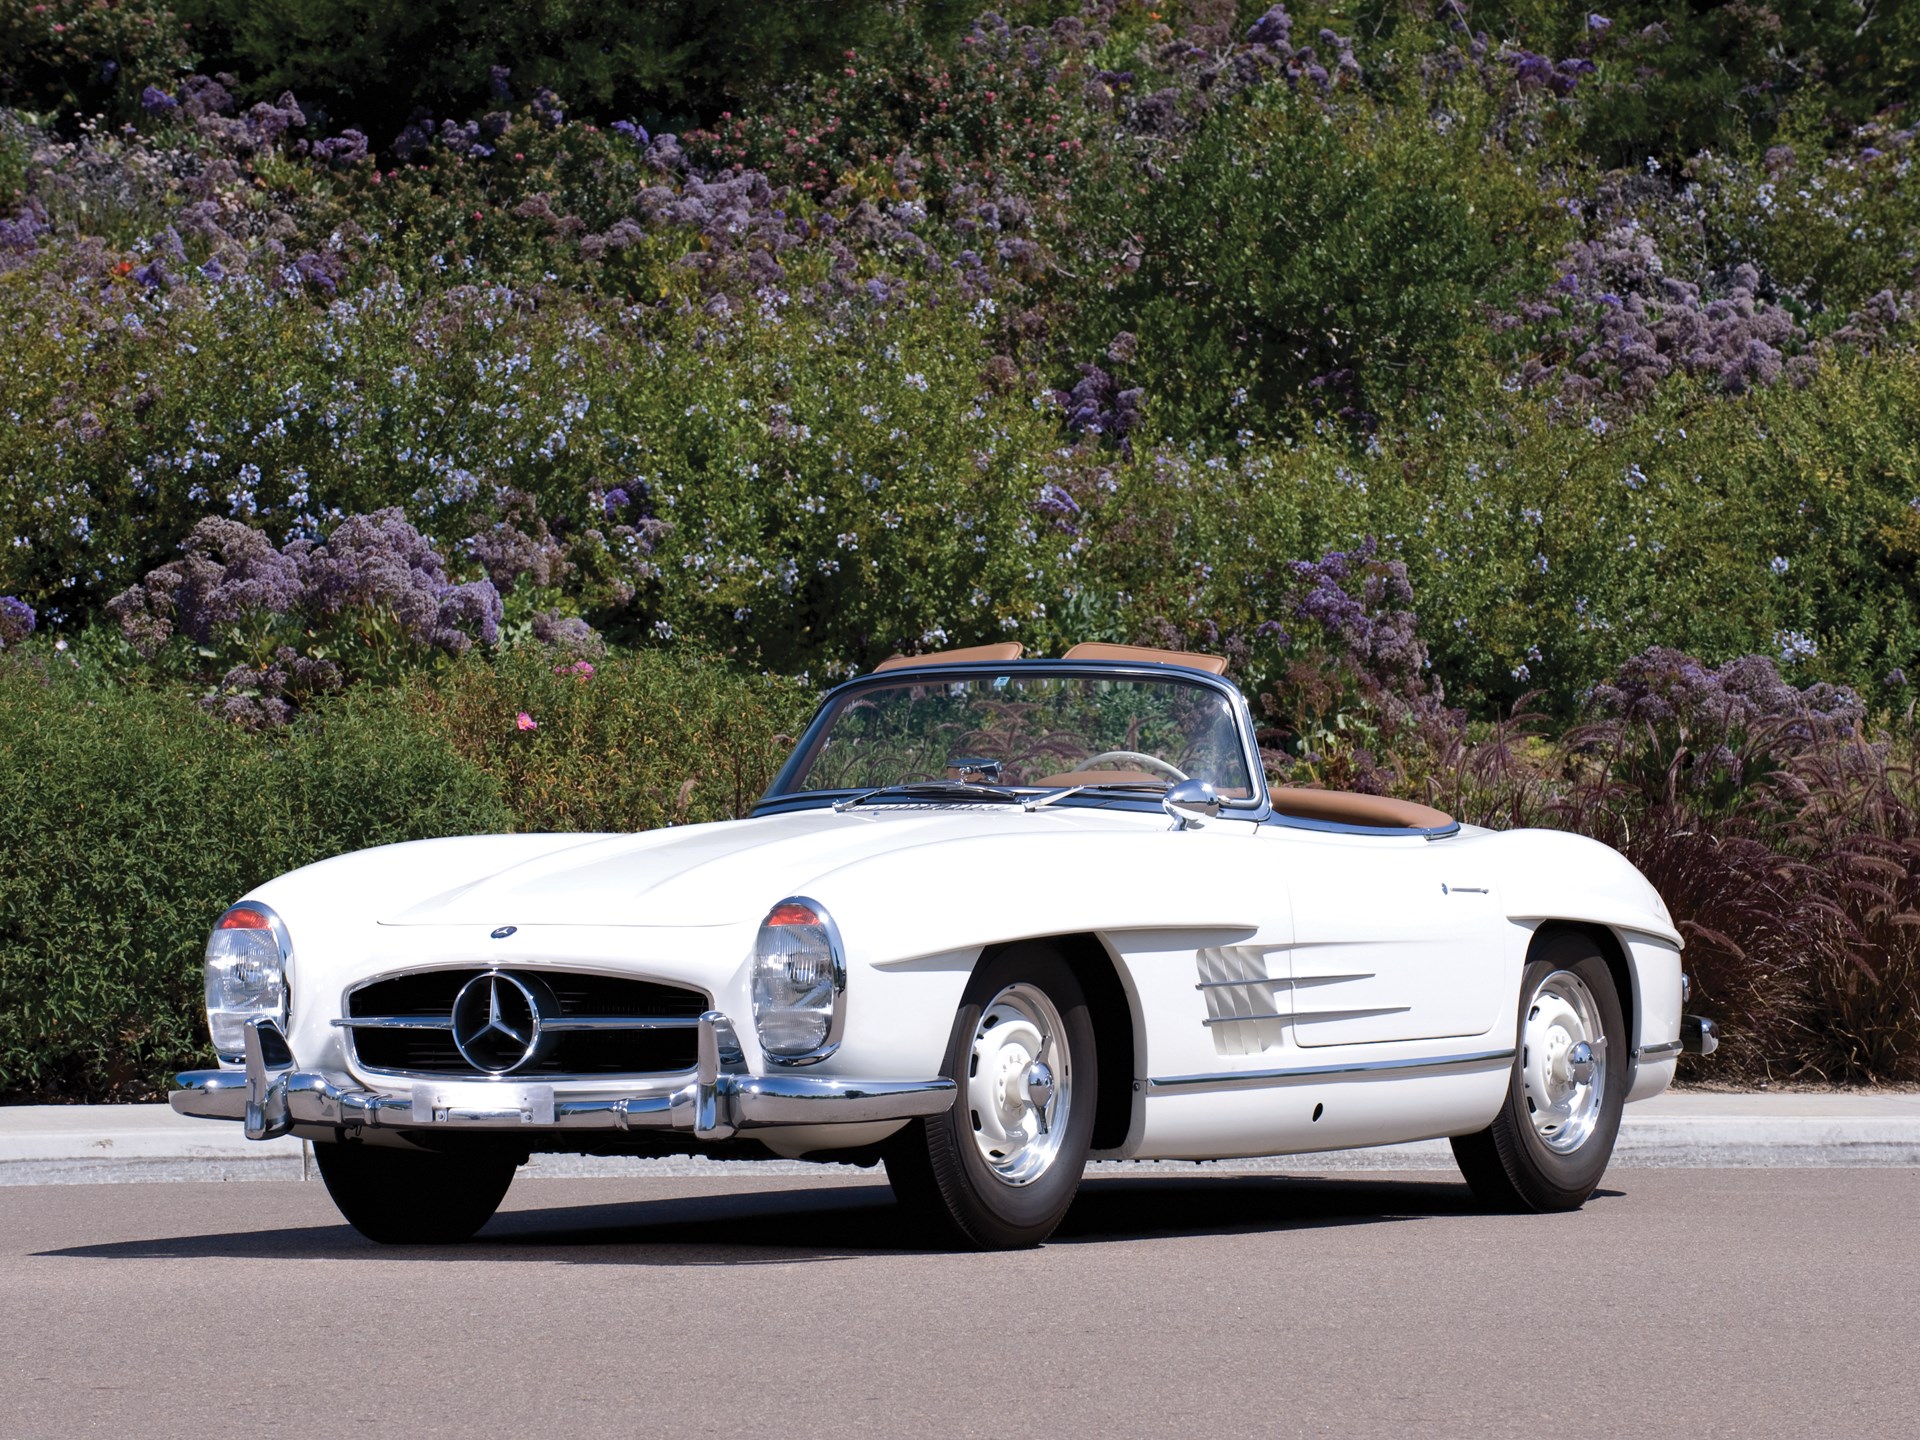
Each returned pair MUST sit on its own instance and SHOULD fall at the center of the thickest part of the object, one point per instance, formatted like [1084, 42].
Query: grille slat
[668, 1044]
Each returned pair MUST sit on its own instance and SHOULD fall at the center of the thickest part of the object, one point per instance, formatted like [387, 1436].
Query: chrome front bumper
[718, 1100]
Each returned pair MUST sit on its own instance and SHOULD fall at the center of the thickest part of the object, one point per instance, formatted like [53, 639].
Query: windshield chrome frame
[1255, 807]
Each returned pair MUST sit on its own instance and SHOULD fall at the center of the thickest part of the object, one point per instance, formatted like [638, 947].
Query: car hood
[727, 872]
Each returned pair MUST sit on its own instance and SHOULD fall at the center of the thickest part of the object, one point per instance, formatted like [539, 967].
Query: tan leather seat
[996, 654]
[1139, 654]
[1098, 777]
[1380, 812]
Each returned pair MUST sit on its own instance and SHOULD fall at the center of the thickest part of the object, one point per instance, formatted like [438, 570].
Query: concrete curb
[113, 1144]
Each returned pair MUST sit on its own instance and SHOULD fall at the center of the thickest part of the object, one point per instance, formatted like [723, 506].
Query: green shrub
[1543, 553]
[624, 742]
[133, 819]
[371, 62]
[1297, 255]
[776, 468]
[83, 57]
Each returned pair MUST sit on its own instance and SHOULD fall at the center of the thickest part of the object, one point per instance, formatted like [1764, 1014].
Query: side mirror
[1190, 802]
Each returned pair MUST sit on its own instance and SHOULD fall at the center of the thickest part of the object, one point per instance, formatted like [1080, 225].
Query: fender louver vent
[1243, 1002]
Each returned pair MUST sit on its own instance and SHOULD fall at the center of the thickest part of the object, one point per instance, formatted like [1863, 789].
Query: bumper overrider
[717, 1100]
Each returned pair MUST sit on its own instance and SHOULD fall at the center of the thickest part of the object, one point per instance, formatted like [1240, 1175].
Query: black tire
[413, 1197]
[1510, 1165]
[938, 1172]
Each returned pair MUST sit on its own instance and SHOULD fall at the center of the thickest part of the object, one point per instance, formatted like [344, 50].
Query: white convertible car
[994, 917]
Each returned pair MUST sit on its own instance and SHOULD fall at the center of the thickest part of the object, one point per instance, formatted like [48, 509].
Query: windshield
[1031, 730]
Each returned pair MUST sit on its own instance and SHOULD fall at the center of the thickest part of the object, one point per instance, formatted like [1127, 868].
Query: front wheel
[413, 1197]
[998, 1170]
[1553, 1137]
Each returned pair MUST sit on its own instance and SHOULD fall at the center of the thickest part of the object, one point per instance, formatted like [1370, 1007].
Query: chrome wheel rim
[1019, 1085]
[1563, 1061]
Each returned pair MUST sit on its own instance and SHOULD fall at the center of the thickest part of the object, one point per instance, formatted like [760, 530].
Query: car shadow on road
[840, 1222]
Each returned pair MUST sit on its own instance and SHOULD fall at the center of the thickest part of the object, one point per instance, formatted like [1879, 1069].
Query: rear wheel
[1553, 1137]
[413, 1197]
[1000, 1168]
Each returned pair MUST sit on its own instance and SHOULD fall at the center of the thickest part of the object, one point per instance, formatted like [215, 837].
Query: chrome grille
[590, 1024]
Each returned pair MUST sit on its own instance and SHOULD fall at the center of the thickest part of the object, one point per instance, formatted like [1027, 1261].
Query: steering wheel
[1131, 757]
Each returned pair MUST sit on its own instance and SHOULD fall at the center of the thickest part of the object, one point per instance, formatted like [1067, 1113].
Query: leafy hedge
[133, 818]
[621, 742]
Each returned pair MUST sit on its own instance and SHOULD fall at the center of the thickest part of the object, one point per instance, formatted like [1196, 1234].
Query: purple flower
[636, 133]
[518, 546]
[1371, 623]
[230, 573]
[203, 95]
[415, 138]
[1599, 24]
[569, 633]
[1273, 28]
[1663, 686]
[156, 101]
[1098, 406]
[1531, 70]
[467, 613]
[347, 148]
[23, 231]
[16, 620]
[324, 271]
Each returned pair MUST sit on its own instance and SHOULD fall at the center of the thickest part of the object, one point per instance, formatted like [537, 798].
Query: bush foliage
[140, 818]
[135, 818]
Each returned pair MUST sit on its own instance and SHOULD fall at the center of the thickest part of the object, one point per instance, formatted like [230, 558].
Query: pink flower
[525, 721]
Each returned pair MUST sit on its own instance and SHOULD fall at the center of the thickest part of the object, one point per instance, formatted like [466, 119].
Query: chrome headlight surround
[248, 956]
[798, 983]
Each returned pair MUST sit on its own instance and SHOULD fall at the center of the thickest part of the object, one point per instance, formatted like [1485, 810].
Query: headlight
[247, 958]
[799, 983]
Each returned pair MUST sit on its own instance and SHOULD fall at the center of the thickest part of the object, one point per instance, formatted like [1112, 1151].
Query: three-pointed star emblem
[496, 1022]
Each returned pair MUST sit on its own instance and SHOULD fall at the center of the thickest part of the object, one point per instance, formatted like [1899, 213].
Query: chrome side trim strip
[1280, 980]
[1250, 1078]
[1309, 1015]
[1670, 1047]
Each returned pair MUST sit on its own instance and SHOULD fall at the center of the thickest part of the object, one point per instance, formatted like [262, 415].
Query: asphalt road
[1682, 1302]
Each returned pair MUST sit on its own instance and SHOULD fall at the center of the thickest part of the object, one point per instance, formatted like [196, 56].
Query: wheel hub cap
[1563, 1061]
[1019, 1084]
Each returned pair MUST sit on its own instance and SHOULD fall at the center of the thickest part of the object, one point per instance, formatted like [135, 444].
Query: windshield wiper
[1039, 801]
[955, 790]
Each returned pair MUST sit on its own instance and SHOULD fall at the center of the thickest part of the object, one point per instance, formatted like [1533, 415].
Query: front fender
[1557, 875]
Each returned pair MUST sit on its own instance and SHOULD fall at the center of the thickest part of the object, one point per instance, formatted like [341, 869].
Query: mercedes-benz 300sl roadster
[995, 917]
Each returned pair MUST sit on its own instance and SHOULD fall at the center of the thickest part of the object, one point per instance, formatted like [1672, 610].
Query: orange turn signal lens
[790, 913]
